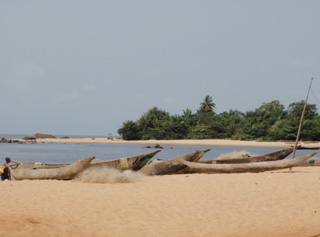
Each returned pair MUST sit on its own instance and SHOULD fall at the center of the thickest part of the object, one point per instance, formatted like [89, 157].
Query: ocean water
[17, 136]
[68, 153]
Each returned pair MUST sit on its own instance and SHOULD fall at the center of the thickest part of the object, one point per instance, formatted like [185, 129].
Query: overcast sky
[78, 67]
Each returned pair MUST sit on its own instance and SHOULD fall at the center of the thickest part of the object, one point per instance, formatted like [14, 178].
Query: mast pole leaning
[301, 120]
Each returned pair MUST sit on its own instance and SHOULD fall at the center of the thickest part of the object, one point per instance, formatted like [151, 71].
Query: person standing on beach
[6, 171]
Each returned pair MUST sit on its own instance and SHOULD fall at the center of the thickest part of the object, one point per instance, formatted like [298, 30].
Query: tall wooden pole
[301, 120]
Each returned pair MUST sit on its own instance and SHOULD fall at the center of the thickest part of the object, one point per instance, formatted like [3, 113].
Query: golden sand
[114, 203]
[204, 142]
[282, 203]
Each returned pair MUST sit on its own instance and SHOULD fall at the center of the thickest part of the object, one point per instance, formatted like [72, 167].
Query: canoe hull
[254, 167]
[171, 166]
[66, 172]
[277, 155]
[133, 163]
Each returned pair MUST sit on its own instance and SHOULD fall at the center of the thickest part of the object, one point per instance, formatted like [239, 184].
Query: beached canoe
[253, 167]
[315, 161]
[36, 165]
[308, 148]
[173, 166]
[132, 163]
[66, 172]
[277, 155]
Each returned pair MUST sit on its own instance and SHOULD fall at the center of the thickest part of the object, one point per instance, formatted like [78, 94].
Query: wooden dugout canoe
[254, 167]
[312, 162]
[173, 166]
[308, 148]
[66, 172]
[277, 155]
[36, 165]
[133, 163]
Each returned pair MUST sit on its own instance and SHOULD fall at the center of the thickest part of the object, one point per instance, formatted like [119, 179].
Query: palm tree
[207, 104]
[130, 131]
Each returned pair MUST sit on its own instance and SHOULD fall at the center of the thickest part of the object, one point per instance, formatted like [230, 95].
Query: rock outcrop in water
[155, 146]
[43, 135]
[27, 139]
[9, 140]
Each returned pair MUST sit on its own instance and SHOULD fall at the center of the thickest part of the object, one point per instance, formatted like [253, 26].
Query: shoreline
[204, 142]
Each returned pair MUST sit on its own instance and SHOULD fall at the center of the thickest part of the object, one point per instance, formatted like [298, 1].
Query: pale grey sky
[78, 67]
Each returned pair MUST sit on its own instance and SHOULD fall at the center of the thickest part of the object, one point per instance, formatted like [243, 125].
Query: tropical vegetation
[270, 122]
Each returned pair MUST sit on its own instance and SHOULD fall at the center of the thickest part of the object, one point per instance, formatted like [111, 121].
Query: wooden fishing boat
[36, 165]
[253, 167]
[66, 172]
[277, 155]
[308, 148]
[173, 166]
[312, 162]
[133, 163]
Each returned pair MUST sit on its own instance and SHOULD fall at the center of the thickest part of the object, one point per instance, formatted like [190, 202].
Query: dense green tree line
[270, 122]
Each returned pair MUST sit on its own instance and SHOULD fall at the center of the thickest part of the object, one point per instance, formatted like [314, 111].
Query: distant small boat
[277, 155]
[173, 166]
[65, 172]
[253, 167]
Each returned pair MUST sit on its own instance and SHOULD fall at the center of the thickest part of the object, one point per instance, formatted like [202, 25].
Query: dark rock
[30, 138]
[4, 140]
[155, 146]
[43, 135]
[158, 146]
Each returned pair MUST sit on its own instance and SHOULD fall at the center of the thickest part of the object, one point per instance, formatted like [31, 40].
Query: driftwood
[20, 172]
[254, 167]
[277, 155]
[171, 166]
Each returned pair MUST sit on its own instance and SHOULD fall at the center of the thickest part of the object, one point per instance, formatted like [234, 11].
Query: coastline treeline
[270, 122]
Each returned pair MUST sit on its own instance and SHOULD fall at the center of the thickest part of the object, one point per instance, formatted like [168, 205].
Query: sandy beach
[115, 203]
[281, 203]
[204, 142]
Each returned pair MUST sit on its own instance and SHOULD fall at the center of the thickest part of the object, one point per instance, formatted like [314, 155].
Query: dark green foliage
[270, 122]
[228, 125]
[295, 110]
[258, 122]
[151, 122]
[311, 129]
[130, 131]
[283, 130]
